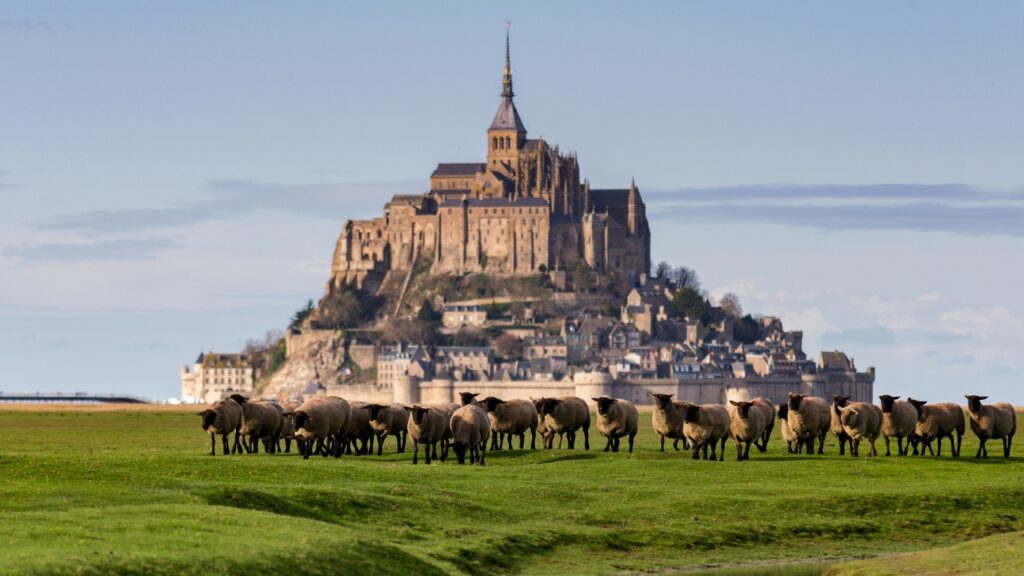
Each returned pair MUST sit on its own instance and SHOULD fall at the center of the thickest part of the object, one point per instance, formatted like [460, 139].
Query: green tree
[301, 314]
[581, 278]
[607, 309]
[427, 312]
[691, 303]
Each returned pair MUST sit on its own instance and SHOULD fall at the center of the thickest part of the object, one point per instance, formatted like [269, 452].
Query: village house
[402, 360]
[215, 376]
[458, 316]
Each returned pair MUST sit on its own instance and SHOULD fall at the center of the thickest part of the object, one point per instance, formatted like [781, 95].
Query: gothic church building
[522, 211]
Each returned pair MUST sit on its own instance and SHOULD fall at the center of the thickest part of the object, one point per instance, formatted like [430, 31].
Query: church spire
[506, 81]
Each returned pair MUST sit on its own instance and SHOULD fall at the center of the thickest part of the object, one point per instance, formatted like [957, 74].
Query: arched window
[508, 142]
[494, 143]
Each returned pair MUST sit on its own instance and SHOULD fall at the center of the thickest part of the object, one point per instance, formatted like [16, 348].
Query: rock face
[318, 360]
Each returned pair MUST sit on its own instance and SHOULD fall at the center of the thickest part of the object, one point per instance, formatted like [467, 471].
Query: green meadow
[86, 492]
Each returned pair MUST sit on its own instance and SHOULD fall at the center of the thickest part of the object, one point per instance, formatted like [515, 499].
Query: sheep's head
[301, 419]
[887, 402]
[491, 403]
[783, 411]
[417, 413]
[795, 399]
[691, 413]
[209, 417]
[238, 398]
[742, 408]
[974, 402]
[468, 398]
[918, 404]
[849, 416]
[663, 401]
[838, 402]
[374, 411]
[548, 405]
[604, 404]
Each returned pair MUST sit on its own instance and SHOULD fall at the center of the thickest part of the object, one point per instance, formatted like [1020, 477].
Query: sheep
[470, 431]
[992, 421]
[564, 416]
[767, 408]
[788, 435]
[222, 417]
[387, 421]
[429, 425]
[322, 419]
[359, 433]
[898, 421]
[468, 397]
[667, 421]
[861, 421]
[705, 425]
[809, 419]
[938, 421]
[616, 418]
[512, 417]
[836, 424]
[260, 419]
[746, 425]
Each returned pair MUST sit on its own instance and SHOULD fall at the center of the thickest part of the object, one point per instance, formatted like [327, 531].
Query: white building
[215, 376]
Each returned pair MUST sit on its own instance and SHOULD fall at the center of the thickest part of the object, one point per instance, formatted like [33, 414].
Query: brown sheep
[319, 420]
[746, 425]
[358, 435]
[861, 421]
[938, 421]
[809, 418]
[667, 421]
[836, 424]
[616, 418]
[705, 425]
[511, 418]
[429, 425]
[899, 419]
[223, 417]
[992, 421]
[392, 420]
[470, 431]
[566, 415]
[767, 408]
[260, 419]
[788, 435]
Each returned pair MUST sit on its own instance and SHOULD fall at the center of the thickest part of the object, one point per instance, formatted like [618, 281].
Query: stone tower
[507, 133]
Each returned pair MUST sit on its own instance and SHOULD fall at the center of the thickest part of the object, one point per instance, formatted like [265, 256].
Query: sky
[174, 176]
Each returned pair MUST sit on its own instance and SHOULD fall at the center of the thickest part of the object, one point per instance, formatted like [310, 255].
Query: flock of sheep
[332, 426]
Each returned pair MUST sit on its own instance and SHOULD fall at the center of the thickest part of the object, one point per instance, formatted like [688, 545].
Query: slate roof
[458, 169]
[507, 117]
[613, 201]
[493, 202]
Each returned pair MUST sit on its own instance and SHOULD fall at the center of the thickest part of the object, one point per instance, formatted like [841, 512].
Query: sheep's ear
[895, 397]
[982, 397]
[734, 403]
[595, 399]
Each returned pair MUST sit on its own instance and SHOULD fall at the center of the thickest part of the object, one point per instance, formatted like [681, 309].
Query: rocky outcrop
[319, 359]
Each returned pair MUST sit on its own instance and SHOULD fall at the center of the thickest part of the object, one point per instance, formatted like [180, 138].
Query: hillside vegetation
[135, 492]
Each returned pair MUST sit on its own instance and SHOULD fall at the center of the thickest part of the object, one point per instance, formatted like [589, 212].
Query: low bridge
[73, 398]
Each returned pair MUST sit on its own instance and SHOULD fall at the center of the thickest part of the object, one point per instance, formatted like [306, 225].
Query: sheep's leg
[696, 449]
[981, 447]
[405, 438]
[959, 441]
[721, 449]
[887, 446]
[675, 444]
[533, 438]
[571, 439]
[739, 448]
[586, 436]
[615, 445]
[483, 451]
[821, 442]
[632, 437]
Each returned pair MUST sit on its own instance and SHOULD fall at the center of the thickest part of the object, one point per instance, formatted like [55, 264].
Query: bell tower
[507, 134]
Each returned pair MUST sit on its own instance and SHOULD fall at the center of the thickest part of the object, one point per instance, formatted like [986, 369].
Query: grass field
[96, 492]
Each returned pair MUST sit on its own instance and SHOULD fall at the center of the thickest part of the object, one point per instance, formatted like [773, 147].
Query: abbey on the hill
[522, 211]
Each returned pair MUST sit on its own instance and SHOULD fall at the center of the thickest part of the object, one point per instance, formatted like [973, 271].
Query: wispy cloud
[107, 250]
[939, 208]
[230, 199]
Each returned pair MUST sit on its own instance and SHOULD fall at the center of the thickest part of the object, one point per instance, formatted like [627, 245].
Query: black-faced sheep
[997, 421]
[511, 418]
[358, 436]
[223, 417]
[836, 424]
[809, 419]
[899, 419]
[470, 431]
[706, 425]
[429, 424]
[616, 419]
[667, 420]
[391, 420]
[260, 420]
[861, 421]
[323, 419]
[746, 425]
[938, 421]
[566, 415]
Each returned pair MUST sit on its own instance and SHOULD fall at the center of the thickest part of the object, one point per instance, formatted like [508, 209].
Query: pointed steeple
[506, 80]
